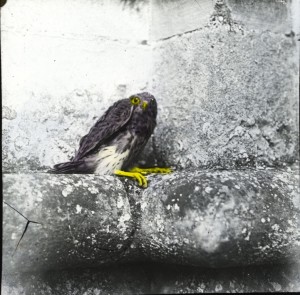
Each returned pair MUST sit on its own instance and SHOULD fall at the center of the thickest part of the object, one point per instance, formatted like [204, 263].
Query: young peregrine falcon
[116, 139]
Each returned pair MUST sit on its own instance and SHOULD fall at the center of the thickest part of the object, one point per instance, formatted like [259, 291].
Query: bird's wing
[110, 123]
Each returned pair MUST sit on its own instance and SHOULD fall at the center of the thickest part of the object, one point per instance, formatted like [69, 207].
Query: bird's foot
[138, 174]
[151, 170]
[141, 179]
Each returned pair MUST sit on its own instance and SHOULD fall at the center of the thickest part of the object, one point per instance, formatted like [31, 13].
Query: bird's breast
[109, 159]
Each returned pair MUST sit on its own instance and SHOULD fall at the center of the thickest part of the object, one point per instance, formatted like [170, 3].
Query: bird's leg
[138, 176]
[151, 170]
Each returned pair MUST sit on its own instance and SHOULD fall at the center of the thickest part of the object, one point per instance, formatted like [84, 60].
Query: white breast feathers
[109, 160]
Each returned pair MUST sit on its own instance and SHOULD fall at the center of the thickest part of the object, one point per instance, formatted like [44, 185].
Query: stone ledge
[83, 218]
[221, 218]
[202, 218]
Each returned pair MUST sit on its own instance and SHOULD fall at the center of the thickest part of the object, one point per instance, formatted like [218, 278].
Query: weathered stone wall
[227, 85]
[226, 77]
[228, 90]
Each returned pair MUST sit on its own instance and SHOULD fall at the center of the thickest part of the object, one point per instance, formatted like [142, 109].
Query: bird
[116, 139]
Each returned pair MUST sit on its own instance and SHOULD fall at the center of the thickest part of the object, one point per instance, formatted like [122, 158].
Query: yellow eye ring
[135, 100]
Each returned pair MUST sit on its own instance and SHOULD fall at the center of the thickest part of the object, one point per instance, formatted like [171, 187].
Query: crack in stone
[157, 157]
[179, 34]
[26, 227]
[135, 210]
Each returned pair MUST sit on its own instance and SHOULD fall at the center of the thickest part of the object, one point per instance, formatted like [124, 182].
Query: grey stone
[227, 99]
[221, 218]
[170, 18]
[262, 15]
[8, 113]
[48, 130]
[84, 221]
[210, 219]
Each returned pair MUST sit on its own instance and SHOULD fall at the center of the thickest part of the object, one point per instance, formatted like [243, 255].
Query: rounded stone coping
[203, 218]
[83, 221]
[221, 218]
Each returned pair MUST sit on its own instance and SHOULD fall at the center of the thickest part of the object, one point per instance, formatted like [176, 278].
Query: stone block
[169, 18]
[263, 15]
[227, 99]
[83, 221]
[221, 218]
[77, 19]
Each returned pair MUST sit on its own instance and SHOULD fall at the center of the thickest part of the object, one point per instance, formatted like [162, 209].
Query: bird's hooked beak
[144, 105]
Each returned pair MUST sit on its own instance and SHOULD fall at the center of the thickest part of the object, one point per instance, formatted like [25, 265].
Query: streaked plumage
[116, 139]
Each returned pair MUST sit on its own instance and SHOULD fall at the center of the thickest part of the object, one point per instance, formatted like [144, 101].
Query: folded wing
[116, 117]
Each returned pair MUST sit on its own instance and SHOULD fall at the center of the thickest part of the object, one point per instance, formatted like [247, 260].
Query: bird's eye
[135, 100]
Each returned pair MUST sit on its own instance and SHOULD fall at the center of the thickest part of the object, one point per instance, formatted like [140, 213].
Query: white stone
[78, 209]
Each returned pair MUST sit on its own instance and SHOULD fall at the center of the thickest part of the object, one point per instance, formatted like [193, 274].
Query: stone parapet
[200, 218]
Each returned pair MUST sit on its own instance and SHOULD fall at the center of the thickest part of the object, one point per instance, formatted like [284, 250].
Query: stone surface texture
[221, 90]
[208, 219]
[221, 218]
[84, 221]
[65, 63]
[226, 77]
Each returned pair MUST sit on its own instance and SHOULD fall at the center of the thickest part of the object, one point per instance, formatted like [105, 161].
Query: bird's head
[144, 102]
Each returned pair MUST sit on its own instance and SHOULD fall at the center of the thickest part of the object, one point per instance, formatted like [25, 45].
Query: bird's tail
[67, 167]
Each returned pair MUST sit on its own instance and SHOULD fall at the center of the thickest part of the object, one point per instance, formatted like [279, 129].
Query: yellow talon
[151, 170]
[141, 179]
[138, 173]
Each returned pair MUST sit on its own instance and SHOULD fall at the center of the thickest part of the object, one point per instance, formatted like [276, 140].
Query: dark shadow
[156, 278]
[2, 3]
